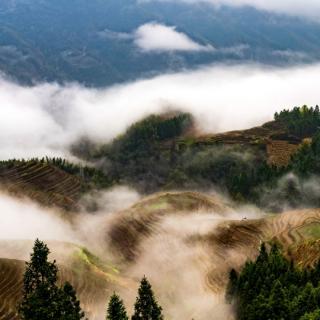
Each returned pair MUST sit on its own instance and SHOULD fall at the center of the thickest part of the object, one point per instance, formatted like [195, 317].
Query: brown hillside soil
[43, 183]
[279, 152]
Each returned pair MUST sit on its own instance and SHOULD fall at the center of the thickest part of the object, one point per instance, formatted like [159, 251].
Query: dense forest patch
[271, 287]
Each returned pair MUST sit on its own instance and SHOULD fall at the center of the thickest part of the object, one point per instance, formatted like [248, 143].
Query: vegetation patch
[311, 230]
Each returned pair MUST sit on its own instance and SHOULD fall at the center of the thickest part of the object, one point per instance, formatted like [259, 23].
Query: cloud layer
[158, 37]
[306, 8]
[46, 119]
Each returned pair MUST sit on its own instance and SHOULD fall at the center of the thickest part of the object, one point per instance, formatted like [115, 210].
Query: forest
[272, 287]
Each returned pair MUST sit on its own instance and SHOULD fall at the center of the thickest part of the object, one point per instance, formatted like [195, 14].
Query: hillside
[42, 182]
[170, 237]
[239, 163]
[272, 137]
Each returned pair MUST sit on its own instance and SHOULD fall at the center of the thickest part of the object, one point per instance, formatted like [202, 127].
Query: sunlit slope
[41, 182]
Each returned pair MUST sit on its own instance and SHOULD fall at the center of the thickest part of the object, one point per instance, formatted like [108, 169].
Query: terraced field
[279, 152]
[42, 182]
[184, 242]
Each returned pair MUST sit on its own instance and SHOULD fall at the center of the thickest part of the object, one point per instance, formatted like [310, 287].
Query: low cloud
[47, 119]
[158, 37]
[25, 220]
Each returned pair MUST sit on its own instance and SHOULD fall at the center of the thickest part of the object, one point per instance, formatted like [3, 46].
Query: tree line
[44, 299]
[300, 121]
[273, 288]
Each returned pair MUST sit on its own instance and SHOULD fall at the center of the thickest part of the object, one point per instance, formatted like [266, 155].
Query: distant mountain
[92, 42]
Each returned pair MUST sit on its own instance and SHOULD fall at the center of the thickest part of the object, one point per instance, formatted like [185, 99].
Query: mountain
[94, 42]
[253, 186]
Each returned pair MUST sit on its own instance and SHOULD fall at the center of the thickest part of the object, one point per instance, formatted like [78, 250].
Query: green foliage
[142, 137]
[116, 309]
[69, 304]
[146, 306]
[300, 121]
[42, 298]
[273, 288]
[138, 155]
[306, 161]
[311, 316]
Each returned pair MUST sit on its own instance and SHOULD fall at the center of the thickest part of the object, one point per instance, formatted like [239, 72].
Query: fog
[47, 118]
[24, 220]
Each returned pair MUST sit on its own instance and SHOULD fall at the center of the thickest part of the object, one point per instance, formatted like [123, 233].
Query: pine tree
[69, 304]
[278, 302]
[116, 309]
[40, 291]
[42, 298]
[146, 306]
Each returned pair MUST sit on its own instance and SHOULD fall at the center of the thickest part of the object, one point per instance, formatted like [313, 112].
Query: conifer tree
[70, 305]
[40, 291]
[146, 306]
[116, 309]
[42, 298]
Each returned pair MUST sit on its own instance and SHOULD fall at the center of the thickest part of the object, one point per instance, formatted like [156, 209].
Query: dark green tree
[70, 306]
[116, 309]
[39, 284]
[146, 306]
[42, 298]
[311, 316]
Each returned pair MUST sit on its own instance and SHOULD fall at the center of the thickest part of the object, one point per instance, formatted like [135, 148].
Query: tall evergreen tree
[146, 306]
[116, 309]
[39, 283]
[42, 298]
